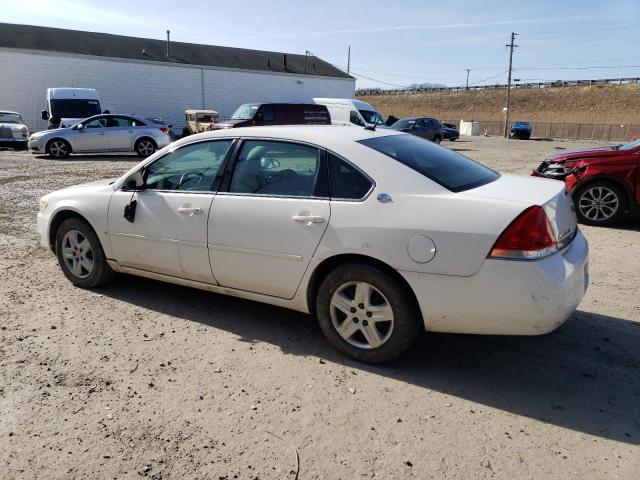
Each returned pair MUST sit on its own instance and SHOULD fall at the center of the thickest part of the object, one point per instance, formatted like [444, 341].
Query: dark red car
[604, 182]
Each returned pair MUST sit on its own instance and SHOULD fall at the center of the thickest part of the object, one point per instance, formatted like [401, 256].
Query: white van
[68, 106]
[348, 111]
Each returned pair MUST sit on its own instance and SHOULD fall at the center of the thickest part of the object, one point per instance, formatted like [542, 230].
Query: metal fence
[581, 131]
[515, 86]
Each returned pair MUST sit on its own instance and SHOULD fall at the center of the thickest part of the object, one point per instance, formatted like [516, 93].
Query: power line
[489, 78]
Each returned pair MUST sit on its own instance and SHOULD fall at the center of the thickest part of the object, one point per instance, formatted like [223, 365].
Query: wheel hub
[77, 254]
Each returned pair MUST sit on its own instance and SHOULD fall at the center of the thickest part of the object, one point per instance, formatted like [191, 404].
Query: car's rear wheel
[600, 203]
[366, 313]
[145, 147]
[80, 254]
[58, 148]
[437, 139]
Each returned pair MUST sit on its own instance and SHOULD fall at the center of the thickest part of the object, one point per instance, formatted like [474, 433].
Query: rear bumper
[506, 297]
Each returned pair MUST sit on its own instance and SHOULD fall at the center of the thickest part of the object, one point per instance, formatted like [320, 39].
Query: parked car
[520, 130]
[349, 111]
[424, 127]
[262, 114]
[13, 131]
[67, 106]
[102, 133]
[450, 132]
[198, 121]
[604, 182]
[331, 220]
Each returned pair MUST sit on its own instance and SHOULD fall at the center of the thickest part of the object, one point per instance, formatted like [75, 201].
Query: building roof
[30, 37]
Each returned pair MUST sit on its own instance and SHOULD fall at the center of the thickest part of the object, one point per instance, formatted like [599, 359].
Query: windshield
[74, 108]
[520, 125]
[400, 124]
[453, 171]
[371, 117]
[245, 112]
[630, 146]
[10, 118]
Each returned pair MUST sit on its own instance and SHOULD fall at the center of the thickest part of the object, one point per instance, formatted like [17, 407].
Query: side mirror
[135, 181]
[80, 126]
[44, 115]
[106, 112]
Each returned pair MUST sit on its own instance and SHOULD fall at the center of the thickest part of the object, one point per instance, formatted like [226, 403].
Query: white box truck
[68, 106]
[349, 111]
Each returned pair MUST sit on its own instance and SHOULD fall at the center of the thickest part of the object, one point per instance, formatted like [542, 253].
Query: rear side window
[453, 171]
[346, 181]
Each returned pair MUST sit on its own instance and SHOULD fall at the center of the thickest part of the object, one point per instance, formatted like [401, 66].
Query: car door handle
[101, 133]
[308, 219]
[190, 211]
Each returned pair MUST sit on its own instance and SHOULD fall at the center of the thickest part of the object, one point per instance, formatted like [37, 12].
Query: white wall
[150, 89]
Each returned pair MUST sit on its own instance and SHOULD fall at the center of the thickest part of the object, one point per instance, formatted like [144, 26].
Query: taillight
[164, 130]
[528, 237]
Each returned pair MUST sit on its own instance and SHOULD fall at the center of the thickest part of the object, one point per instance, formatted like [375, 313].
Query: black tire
[185, 132]
[453, 139]
[100, 272]
[437, 139]
[145, 146]
[58, 148]
[612, 205]
[407, 321]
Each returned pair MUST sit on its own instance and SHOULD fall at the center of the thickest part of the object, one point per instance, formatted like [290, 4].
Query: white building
[136, 76]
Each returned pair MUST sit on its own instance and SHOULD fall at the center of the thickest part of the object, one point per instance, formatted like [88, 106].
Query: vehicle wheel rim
[146, 147]
[77, 253]
[362, 315]
[58, 149]
[598, 203]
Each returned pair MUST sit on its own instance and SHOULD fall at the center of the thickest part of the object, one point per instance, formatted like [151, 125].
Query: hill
[588, 104]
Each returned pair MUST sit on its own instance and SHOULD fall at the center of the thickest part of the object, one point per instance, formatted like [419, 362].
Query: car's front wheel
[367, 314]
[145, 147]
[599, 203]
[58, 148]
[80, 254]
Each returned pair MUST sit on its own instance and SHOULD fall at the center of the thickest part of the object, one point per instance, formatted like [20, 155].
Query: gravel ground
[142, 378]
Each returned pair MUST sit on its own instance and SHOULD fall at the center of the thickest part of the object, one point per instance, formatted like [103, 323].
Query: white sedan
[379, 234]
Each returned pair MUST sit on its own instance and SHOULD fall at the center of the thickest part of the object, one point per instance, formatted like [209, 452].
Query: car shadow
[93, 157]
[585, 376]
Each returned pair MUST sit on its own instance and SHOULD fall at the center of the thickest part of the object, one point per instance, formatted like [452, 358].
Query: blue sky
[393, 43]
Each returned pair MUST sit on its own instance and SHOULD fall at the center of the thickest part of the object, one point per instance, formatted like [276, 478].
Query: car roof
[318, 134]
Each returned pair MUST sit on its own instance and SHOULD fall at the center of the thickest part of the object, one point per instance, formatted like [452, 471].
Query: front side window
[346, 181]
[100, 122]
[453, 171]
[355, 118]
[265, 114]
[276, 168]
[190, 168]
[372, 117]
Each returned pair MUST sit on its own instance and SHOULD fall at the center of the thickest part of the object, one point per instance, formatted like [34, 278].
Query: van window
[265, 114]
[453, 171]
[371, 116]
[355, 118]
[74, 108]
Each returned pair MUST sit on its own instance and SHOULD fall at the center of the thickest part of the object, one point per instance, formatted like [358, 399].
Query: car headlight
[24, 132]
[42, 205]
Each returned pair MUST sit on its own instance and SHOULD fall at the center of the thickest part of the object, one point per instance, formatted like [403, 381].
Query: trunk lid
[551, 195]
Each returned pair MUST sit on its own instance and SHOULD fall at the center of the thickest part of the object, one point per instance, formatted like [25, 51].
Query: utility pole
[506, 107]
[349, 60]
[467, 86]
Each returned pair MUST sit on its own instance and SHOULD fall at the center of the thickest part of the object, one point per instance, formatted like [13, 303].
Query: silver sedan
[102, 133]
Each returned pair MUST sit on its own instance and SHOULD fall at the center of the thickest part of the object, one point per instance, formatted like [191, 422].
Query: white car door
[168, 234]
[92, 137]
[264, 229]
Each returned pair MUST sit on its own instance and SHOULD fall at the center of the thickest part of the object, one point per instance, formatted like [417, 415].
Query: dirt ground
[145, 379]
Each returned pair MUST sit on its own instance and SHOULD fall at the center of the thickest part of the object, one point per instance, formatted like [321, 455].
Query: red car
[604, 182]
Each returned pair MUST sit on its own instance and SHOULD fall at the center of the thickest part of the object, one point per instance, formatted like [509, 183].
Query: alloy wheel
[598, 203]
[146, 148]
[362, 315]
[58, 148]
[77, 254]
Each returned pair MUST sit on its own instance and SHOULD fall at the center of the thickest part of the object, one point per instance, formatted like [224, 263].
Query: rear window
[453, 171]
